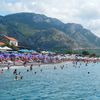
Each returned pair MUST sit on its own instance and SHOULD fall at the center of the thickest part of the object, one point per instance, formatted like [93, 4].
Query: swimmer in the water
[88, 72]
[27, 70]
[15, 71]
[62, 67]
[41, 70]
[19, 73]
[1, 71]
[55, 67]
[39, 65]
[8, 67]
[21, 77]
[18, 77]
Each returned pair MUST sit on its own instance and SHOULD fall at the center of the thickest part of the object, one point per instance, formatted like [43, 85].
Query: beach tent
[5, 48]
[27, 51]
[0, 48]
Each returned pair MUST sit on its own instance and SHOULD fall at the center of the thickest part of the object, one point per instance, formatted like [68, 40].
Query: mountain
[39, 31]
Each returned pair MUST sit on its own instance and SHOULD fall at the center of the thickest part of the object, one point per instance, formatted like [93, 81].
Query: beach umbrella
[33, 51]
[44, 52]
[30, 51]
[24, 50]
[1, 56]
[12, 55]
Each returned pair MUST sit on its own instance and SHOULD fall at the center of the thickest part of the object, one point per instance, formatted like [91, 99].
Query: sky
[84, 12]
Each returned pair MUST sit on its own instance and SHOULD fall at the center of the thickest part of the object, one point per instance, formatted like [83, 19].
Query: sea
[63, 81]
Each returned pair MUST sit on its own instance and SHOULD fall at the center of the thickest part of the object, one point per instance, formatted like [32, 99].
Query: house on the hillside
[10, 40]
[2, 44]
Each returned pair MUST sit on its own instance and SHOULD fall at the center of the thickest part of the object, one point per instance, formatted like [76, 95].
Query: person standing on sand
[41, 70]
[55, 67]
[1, 71]
[8, 67]
[24, 64]
[31, 67]
[39, 65]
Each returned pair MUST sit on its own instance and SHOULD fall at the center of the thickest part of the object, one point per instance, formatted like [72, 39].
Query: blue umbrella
[24, 50]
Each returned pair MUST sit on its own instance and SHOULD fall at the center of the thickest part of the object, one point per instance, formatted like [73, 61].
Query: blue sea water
[69, 83]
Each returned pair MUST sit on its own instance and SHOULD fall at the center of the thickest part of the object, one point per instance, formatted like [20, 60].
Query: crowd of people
[24, 58]
[29, 59]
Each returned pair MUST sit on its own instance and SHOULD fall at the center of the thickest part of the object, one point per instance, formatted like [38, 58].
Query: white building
[11, 40]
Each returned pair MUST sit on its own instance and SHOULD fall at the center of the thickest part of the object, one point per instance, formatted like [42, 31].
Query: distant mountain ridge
[39, 31]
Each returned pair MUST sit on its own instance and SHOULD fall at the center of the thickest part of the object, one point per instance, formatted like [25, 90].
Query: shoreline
[20, 65]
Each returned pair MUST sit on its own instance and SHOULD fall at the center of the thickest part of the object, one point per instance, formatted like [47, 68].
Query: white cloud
[85, 12]
[95, 26]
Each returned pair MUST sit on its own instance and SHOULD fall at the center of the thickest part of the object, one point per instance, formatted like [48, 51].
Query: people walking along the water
[31, 67]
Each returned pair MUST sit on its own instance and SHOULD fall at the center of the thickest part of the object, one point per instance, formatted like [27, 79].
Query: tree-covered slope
[38, 31]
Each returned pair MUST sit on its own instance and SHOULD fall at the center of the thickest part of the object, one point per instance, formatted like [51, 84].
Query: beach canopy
[27, 51]
[47, 52]
[5, 48]
[44, 52]
[0, 48]
[24, 50]
[32, 51]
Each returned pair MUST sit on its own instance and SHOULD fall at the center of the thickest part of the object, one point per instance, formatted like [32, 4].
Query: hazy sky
[85, 12]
